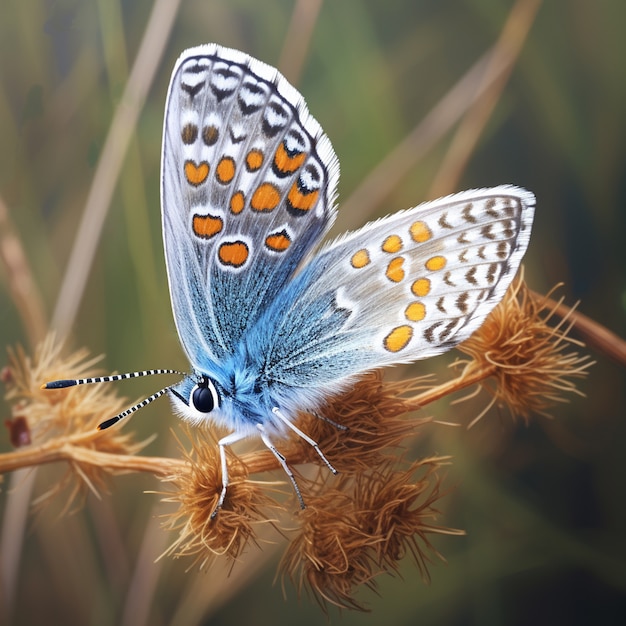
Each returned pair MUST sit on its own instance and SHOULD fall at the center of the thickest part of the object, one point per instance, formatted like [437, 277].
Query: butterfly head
[233, 398]
[196, 398]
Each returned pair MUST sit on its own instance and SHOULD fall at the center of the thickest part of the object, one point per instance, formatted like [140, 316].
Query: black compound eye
[204, 396]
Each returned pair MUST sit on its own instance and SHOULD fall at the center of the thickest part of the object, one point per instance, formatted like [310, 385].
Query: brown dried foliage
[357, 525]
[527, 352]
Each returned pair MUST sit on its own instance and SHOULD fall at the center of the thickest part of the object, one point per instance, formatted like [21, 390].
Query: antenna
[114, 420]
[71, 382]
[62, 384]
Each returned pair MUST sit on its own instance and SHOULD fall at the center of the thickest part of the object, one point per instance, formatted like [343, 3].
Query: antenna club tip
[104, 425]
[59, 384]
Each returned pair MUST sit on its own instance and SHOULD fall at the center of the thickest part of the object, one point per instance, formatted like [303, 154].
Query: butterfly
[272, 321]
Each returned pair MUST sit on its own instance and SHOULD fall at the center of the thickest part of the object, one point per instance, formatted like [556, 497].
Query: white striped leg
[304, 436]
[222, 443]
[337, 425]
[283, 461]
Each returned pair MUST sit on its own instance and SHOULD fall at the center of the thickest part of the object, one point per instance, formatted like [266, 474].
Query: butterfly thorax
[237, 396]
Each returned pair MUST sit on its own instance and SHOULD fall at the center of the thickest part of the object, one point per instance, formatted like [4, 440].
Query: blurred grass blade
[110, 163]
[298, 38]
[385, 177]
[22, 286]
[501, 63]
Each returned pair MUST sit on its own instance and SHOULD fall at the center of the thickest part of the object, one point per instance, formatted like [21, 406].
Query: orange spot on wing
[398, 338]
[207, 226]
[420, 232]
[254, 160]
[393, 243]
[234, 254]
[278, 242]
[415, 312]
[436, 263]
[286, 164]
[265, 198]
[196, 174]
[421, 287]
[394, 272]
[225, 170]
[360, 259]
[237, 202]
[302, 201]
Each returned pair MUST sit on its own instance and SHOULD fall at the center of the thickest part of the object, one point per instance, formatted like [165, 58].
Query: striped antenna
[62, 384]
[132, 409]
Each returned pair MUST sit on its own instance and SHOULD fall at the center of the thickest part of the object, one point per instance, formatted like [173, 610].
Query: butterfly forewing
[248, 182]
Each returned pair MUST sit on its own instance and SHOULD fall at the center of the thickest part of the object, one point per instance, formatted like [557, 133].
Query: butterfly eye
[204, 397]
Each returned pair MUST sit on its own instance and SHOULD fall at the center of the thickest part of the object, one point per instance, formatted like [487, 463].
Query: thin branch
[594, 334]
[452, 386]
[60, 449]
[78, 448]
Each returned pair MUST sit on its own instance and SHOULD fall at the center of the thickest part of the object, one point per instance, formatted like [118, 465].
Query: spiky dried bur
[67, 417]
[373, 423]
[529, 359]
[198, 484]
[362, 526]
[357, 429]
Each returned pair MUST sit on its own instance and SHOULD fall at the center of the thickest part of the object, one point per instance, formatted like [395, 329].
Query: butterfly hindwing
[248, 184]
[403, 288]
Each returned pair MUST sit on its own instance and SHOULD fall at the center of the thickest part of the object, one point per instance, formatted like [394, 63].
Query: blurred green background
[543, 505]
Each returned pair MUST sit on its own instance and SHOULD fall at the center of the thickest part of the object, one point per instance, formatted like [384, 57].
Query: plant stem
[77, 448]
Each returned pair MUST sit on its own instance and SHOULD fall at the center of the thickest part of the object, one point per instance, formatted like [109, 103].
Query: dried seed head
[198, 484]
[528, 358]
[64, 411]
[351, 533]
[67, 413]
[357, 428]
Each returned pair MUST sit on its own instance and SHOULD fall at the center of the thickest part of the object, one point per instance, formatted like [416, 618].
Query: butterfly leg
[304, 436]
[283, 461]
[337, 425]
[222, 443]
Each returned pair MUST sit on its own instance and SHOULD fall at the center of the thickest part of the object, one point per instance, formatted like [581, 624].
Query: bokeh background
[543, 504]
